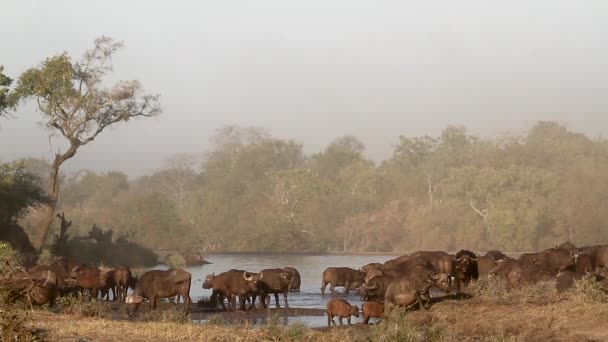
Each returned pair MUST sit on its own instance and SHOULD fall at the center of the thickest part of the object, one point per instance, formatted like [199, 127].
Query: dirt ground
[472, 319]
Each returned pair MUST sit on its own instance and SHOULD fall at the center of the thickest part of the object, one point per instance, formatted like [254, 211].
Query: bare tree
[76, 105]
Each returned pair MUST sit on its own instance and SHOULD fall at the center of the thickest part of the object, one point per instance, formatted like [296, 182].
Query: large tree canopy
[76, 103]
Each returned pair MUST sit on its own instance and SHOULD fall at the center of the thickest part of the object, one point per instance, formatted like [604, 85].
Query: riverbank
[536, 313]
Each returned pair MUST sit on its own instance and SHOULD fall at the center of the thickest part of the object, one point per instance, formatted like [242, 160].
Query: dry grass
[532, 313]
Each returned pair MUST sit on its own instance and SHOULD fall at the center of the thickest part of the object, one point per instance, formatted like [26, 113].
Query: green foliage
[10, 259]
[6, 99]
[19, 191]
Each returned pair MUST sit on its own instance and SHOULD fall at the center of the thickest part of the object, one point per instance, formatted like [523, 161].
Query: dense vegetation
[254, 192]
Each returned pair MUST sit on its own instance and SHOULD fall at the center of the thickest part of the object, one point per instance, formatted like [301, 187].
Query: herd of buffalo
[404, 281]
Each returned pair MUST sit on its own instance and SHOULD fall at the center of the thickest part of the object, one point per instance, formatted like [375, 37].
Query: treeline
[254, 192]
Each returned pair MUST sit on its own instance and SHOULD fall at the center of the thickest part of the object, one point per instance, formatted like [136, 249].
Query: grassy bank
[533, 313]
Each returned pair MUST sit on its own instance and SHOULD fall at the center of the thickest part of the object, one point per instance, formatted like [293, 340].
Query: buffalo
[274, 281]
[465, 268]
[38, 287]
[517, 273]
[409, 289]
[341, 276]
[341, 309]
[160, 284]
[90, 278]
[553, 259]
[375, 288]
[109, 285]
[122, 277]
[372, 310]
[296, 279]
[231, 284]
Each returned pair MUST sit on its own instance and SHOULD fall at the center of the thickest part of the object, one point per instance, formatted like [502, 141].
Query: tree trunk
[47, 211]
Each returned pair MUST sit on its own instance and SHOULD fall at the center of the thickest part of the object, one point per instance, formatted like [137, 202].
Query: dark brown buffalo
[409, 289]
[599, 255]
[296, 280]
[517, 273]
[341, 276]
[487, 262]
[37, 288]
[442, 262]
[231, 284]
[390, 272]
[122, 278]
[375, 288]
[391, 264]
[274, 281]
[372, 310]
[465, 269]
[567, 246]
[367, 268]
[160, 284]
[496, 255]
[62, 267]
[583, 262]
[89, 278]
[554, 259]
[341, 309]
[109, 285]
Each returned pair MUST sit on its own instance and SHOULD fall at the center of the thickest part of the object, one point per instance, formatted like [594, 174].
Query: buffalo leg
[332, 287]
[187, 302]
[285, 298]
[348, 320]
[276, 300]
[323, 286]
[330, 320]
[154, 302]
[346, 287]
[340, 320]
[421, 303]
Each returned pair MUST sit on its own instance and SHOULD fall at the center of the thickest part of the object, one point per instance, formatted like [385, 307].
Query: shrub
[14, 325]
[297, 331]
[79, 305]
[10, 259]
[169, 314]
[175, 261]
[588, 291]
[496, 290]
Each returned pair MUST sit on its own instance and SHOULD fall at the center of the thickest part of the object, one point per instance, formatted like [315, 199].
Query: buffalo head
[133, 302]
[208, 281]
[441, 280]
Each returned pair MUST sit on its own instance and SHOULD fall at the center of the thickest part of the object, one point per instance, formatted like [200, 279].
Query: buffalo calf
[341, 309]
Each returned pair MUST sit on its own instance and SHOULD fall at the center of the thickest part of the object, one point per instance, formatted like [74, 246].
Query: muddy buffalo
[341, 276]
[341, 309]
[156, 284]
[375, 288]
[553, 259]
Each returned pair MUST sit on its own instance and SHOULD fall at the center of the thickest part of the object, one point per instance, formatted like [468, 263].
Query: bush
[79, 305]
[396, 328]
[14, 325]
[175, 261]
[10, 259]
[588, 291]
[297, 331]
[170, 314]
[496, 290]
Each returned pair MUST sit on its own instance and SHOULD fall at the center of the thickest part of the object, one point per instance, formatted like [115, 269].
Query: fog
[316, 70]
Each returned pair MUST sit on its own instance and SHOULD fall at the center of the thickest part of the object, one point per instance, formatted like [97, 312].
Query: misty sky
[315, 70]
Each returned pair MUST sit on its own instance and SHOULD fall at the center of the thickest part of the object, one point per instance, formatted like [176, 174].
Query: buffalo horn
[371, 288]
[246, 277]
[474, 257]
[457, 259]
[434, 276]
[48, 277]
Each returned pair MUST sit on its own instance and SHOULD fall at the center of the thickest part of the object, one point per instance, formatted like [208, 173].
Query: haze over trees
[255, 192]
